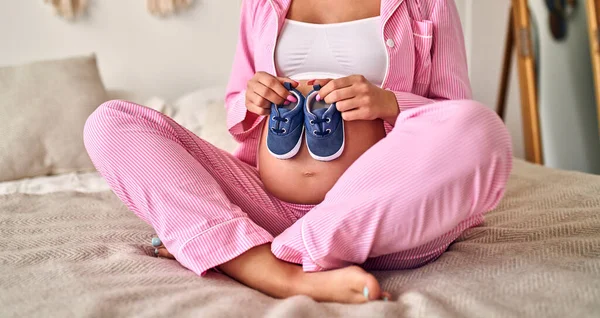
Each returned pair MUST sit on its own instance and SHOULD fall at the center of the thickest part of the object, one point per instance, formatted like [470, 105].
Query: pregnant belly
[304, 180]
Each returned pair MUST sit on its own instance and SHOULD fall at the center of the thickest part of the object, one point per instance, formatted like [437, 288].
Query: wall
[567, 101]
[167, 58]
[567, 107]
[484, 24]
[136, 51]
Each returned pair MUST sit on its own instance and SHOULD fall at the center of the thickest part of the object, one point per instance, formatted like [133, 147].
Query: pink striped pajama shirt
[443, 164]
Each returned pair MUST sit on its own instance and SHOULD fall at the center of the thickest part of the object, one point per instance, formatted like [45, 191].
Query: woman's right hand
[264, 89]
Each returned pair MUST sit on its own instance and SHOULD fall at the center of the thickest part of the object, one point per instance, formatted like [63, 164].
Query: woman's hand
[264, 89]
[358, 99]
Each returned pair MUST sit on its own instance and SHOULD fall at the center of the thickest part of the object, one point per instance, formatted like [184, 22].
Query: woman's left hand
[357, 99]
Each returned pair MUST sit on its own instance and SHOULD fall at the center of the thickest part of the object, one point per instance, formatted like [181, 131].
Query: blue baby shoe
[324, 128]
[286, 126]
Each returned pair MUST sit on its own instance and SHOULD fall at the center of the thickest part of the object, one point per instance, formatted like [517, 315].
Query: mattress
[69, 248]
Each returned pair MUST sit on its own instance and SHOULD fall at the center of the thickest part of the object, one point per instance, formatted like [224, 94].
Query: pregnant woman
[420, 162]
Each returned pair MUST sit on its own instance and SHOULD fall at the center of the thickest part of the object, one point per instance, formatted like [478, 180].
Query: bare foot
[160, 250]
[347, 285]
[258, 268]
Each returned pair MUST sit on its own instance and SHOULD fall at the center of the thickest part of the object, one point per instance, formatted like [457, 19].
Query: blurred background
[141, 56]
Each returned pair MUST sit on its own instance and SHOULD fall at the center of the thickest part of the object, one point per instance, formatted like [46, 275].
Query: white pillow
[202, 112]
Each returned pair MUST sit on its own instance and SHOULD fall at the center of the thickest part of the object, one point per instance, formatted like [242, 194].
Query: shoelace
[279, 119]
[319, 131]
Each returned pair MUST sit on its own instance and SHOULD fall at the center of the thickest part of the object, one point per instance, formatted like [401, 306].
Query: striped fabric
[399, 205]
[392, 209]
[426, 58]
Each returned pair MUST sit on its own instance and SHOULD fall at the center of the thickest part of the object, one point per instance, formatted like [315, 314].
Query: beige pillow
[43, 107]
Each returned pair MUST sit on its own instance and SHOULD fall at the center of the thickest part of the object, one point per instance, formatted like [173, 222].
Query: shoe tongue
[319, 112]
[283, 111]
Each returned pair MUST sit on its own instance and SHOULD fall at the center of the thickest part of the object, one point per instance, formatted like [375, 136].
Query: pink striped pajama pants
[400, 205]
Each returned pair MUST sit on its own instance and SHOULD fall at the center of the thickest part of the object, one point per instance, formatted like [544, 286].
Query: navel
[308, 174]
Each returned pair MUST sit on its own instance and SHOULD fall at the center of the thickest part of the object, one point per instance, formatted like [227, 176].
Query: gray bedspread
[71, 254]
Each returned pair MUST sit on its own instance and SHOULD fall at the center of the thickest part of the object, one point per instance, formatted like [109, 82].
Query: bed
[70, 248]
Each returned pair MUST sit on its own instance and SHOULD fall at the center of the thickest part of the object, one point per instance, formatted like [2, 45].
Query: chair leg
[509, 47]
[528, 82]
[593, 9]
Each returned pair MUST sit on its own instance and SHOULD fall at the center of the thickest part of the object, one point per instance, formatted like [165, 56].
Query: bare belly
[304, 180]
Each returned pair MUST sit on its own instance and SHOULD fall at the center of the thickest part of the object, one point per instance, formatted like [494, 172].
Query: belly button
[308, 174]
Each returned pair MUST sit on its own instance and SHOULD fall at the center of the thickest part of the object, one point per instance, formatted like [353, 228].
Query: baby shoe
[286, 126]
[324, 128]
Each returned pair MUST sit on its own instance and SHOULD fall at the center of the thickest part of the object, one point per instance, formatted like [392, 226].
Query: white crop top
[313, 51]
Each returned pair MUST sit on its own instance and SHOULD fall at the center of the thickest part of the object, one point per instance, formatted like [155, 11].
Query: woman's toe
[163, 252]
[385, 296]
[160, 250]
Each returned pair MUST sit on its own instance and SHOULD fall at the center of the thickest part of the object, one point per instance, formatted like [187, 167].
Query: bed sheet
[82, 253]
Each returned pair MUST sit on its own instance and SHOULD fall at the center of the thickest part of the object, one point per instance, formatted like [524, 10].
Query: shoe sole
[332, 157]
[291, 153]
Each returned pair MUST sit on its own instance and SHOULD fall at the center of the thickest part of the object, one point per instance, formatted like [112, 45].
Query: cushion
[43, 108]
[202, 112]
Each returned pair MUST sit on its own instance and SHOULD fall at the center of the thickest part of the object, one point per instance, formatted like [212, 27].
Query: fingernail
[366, 292]
[287, 102]
[156, 242]
[385, 299]
[292, 98]
[156, 251]
[310, 82]
[318, 98]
